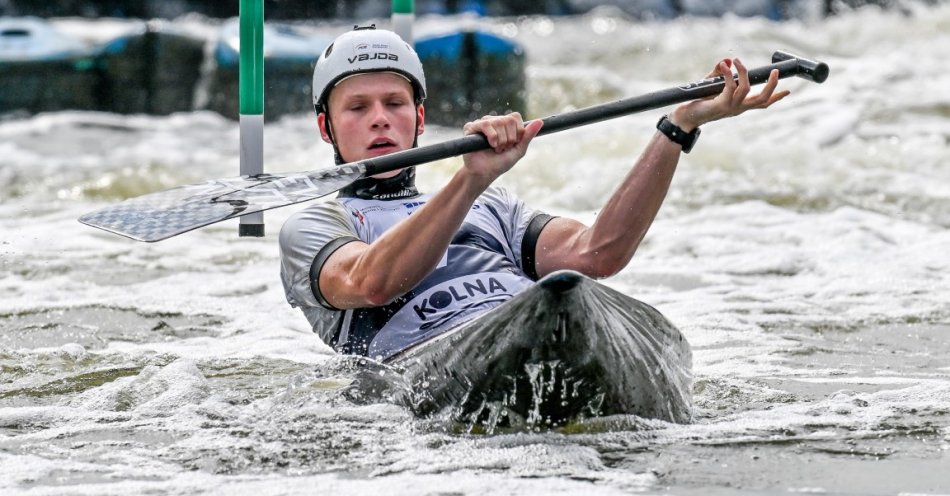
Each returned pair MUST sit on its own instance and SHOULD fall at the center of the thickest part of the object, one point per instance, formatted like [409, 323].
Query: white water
[803, 251]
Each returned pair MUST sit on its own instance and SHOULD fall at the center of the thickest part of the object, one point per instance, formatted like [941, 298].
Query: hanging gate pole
[251, 94]
[402, 18]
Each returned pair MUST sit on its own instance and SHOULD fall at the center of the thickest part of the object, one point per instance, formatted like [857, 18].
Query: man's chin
[387, 175]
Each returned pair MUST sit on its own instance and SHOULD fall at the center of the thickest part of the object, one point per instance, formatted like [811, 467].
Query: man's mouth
[381, 144]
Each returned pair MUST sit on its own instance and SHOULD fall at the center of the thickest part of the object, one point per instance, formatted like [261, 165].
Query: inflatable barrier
[155, 69]
[151, 70]
[289, 57]
[471, 74]
[44, 70]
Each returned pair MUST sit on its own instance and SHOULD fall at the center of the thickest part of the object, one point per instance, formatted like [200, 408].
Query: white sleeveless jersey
[490, 259]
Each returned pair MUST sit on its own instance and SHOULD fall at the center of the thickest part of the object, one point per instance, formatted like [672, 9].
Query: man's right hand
[509, 139]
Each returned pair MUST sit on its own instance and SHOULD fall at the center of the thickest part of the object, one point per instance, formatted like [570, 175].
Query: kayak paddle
[161, 215]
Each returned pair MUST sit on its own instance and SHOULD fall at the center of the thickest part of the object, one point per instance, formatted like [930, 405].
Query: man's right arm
[359, 275]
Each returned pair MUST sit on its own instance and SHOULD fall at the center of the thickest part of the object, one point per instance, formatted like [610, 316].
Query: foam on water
[801, 250]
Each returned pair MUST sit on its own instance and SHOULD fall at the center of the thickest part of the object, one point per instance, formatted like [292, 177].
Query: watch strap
[676, 133]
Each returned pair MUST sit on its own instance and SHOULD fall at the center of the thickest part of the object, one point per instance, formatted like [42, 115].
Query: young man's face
[371, 115]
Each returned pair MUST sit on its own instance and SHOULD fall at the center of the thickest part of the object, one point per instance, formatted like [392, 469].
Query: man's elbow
[379, 299]
[602, 269]
[377, 291]
[591, 264]
[601, 265]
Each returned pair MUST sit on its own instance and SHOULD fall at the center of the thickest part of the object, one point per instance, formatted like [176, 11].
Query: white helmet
[366, 49]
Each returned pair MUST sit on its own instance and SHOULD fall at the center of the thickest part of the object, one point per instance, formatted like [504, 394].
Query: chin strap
[336, 150]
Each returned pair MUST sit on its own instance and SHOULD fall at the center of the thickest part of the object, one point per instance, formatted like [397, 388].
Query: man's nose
[379, 116]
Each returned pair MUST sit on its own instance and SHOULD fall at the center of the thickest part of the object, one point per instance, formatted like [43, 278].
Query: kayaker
[383, 267]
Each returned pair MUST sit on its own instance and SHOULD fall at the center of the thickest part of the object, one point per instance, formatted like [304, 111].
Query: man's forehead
[371, 83]
[380, 77]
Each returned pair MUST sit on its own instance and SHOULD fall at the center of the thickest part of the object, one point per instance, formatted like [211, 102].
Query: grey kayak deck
[565, 349]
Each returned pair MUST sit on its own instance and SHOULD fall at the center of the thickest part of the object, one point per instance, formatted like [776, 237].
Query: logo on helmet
[363, 57]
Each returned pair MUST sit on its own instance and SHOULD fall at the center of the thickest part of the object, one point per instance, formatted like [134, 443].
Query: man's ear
[421, 114]
[322, 124]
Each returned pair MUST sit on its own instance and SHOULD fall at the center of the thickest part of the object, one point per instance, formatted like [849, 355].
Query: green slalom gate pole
[402, 18]
[251, 94]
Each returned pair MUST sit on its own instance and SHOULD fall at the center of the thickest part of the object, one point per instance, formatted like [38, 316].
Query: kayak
[564, 350]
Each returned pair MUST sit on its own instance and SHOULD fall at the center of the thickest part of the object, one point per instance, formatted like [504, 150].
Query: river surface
[804, 251]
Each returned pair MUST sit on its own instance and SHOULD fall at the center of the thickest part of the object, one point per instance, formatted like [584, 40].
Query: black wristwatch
[677, 135]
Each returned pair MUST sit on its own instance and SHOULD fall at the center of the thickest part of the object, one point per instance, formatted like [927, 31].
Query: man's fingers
[502, 133]
[730, 82]
[504, 138]
[717, 70]
[776, 97]
[490, 134]
[765, 96]
[532, 129]
[743, 87]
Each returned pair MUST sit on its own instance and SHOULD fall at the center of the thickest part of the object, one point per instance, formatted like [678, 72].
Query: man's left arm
[607, 246]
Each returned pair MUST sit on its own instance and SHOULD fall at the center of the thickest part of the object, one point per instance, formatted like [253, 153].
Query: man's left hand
[733, 100]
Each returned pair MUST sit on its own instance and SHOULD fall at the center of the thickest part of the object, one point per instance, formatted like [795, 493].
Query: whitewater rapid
[803, 251]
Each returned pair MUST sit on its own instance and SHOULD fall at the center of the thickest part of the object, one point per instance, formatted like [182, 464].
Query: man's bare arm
[358, 275]
[607, 246]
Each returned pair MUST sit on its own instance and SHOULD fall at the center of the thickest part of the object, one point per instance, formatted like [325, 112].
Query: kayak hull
[566, 349]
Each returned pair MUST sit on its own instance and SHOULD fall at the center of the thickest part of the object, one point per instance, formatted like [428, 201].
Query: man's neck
[402, 185]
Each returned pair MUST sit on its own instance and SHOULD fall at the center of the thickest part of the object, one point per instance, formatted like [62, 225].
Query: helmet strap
[329, 129]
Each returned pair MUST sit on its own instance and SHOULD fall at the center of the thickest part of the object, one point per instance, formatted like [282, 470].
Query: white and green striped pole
[251, 95]
[402, 18]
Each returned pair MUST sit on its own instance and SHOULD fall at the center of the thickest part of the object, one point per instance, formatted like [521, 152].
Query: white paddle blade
[161, 215]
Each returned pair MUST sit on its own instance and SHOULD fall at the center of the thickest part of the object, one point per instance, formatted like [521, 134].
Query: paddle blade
[161, 215]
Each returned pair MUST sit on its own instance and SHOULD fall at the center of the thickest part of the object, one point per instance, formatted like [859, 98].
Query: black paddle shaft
[787, 64]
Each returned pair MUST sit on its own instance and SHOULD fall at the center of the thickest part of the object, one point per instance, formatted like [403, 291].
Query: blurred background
[159, 57]
[307, 9]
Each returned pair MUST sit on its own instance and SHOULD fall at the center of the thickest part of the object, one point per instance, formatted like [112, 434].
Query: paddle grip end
[811, 70]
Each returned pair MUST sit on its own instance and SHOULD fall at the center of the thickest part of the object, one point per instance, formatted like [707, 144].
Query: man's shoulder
[315, 217]
[317, 211]
[498, 195]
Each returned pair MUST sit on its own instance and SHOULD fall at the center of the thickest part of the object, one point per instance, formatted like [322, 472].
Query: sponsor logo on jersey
[457, 293]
